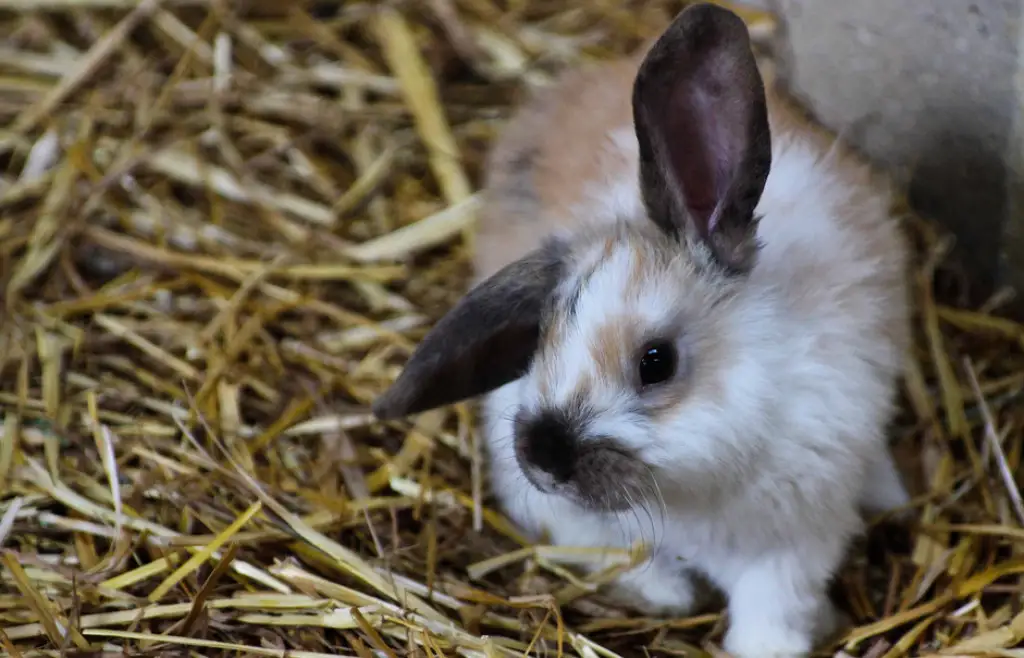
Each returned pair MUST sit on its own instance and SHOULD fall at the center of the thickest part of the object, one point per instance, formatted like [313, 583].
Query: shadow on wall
[960, 182]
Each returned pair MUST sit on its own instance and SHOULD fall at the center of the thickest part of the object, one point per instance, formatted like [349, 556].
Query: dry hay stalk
[222, 231]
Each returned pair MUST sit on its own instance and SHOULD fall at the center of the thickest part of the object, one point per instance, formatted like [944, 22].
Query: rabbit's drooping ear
[486, 340]
[702, 126]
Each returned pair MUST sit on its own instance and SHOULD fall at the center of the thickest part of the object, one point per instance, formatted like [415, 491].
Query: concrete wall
[934, 90]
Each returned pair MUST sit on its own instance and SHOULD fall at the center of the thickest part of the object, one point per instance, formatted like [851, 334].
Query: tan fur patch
[607, 347]
[609, 247]
[639, 271]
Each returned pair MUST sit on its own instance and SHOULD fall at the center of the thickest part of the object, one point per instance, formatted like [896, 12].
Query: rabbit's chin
[605, 478]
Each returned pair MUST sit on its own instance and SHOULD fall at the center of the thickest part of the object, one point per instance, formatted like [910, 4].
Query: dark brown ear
[702, 126]
[485, 341]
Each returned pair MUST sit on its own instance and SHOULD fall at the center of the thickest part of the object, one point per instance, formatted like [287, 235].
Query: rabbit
[688, 325]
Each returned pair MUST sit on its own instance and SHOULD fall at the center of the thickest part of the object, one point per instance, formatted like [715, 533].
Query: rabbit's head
[622, 336]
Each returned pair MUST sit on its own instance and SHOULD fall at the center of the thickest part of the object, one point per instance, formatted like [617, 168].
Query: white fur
[761, 482]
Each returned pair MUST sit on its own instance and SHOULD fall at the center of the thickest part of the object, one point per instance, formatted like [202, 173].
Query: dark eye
[658, 363]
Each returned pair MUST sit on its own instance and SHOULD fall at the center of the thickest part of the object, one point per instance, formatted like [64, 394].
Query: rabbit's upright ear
[702, 125]
[486, 340]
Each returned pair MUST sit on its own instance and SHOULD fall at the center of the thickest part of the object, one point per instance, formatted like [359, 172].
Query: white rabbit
[690, 319]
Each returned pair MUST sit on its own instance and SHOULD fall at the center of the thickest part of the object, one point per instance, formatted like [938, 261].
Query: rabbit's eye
[658, 363]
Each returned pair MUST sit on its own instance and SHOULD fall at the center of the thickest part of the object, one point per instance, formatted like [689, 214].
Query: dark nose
[548, 441]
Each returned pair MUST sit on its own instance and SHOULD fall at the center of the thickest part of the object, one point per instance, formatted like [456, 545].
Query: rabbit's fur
[643, 202]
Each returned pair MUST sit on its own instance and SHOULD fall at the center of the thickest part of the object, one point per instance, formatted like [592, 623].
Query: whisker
[659, 498]
[620, 522]
[628, 493]
[651, 544]
[655, 537]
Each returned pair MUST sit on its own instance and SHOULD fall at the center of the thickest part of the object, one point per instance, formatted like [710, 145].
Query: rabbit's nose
[549, 442]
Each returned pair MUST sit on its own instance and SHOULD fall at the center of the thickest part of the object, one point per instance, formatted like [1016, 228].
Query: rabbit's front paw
[655, 590]
[772, 639]
[779, 608]
[766, 641]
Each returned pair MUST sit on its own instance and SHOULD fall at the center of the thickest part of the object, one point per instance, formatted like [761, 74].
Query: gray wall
[933, 89]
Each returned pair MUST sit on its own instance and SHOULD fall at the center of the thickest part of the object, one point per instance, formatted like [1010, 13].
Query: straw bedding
[223, 228]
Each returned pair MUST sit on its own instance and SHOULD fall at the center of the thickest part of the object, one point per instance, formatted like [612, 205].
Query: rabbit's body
[664, 359]
[814, 351]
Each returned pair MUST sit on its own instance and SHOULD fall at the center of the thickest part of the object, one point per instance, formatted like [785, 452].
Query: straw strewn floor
[222, 230]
